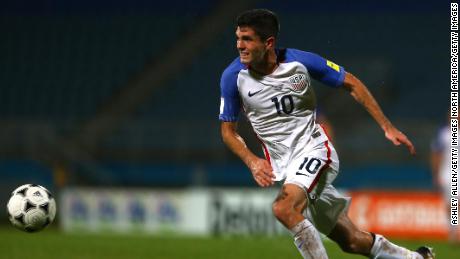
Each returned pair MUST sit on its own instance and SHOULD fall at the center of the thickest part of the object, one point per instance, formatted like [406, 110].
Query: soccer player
[274, 88]
[440, 166]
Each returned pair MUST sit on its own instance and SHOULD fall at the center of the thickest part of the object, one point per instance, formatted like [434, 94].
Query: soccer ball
[31, 207]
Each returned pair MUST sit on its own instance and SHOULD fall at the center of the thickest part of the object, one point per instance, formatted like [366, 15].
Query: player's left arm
[334, 75]
[362, 95]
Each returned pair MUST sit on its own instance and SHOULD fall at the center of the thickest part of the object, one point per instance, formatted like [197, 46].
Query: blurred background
[125, 94]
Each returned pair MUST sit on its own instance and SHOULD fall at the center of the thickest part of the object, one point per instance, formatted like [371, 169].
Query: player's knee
[283, 210]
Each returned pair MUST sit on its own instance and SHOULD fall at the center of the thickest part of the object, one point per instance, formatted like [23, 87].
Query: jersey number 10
[285, 104]
[311, 165]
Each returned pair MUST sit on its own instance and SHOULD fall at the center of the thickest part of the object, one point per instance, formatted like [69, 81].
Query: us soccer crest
[298, 82]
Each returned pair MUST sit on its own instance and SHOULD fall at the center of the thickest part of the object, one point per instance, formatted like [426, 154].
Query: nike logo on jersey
[297, 173]
[254, 93]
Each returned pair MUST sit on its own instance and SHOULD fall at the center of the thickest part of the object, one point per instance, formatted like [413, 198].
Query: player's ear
[270, 42]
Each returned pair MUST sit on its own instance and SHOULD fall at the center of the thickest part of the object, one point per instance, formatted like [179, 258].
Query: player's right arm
[230, 105]
[261, 170]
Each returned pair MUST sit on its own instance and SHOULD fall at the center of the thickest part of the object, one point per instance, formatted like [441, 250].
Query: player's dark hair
[264, 22]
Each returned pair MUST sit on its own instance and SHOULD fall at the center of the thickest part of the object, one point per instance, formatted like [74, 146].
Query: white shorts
[325, 205]
[315, 176]
[307, 167]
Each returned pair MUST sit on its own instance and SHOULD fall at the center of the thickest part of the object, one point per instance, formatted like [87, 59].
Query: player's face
[251, 48]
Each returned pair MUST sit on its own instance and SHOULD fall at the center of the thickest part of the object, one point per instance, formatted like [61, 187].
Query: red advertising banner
[415, 215]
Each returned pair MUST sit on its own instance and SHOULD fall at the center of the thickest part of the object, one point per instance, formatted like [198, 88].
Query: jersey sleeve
[230, 103]
[320, 68]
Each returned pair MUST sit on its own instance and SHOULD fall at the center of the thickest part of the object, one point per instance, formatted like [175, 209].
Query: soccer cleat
[426, 252]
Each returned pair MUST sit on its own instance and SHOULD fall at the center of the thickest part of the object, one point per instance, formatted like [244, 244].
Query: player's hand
[398, 138]
[262, 172]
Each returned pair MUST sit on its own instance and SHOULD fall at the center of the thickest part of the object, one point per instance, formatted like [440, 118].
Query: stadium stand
[62, 63]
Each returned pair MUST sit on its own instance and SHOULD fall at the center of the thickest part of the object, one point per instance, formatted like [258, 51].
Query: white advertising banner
[243, 212]
[200, 211]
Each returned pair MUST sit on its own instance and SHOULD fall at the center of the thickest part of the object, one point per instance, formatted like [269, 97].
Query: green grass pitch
[52, 243]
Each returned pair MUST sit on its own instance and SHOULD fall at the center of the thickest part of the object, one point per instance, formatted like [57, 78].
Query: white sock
[308, 241]
[384, 249]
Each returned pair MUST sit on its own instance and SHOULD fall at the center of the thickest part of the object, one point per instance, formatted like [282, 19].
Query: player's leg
[350, 238]
[353, 240]
[288, 208]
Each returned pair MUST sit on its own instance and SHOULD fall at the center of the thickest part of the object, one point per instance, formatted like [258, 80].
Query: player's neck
[268, 64]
